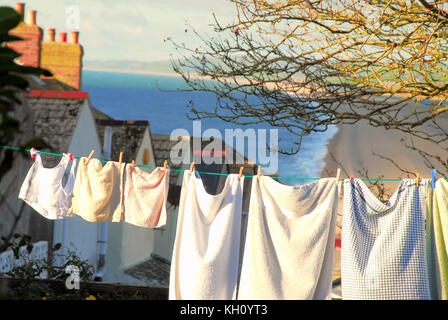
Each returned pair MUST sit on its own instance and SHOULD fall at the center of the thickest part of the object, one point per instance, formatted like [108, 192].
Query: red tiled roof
[57, 94]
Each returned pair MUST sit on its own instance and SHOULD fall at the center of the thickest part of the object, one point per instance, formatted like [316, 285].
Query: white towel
[383, 244]
[290, 240]
[205, 256]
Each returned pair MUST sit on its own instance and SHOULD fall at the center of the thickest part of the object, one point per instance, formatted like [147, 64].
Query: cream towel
[97, 191]
[144, 199]
[437, 239]
[290, 240]
[206, 249]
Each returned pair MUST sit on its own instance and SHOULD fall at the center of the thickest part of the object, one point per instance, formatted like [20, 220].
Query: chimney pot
[62, 36]
[75, 36]
[31, 17]
[20, 8]
[51, 33]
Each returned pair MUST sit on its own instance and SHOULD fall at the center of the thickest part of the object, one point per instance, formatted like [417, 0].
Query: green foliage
[33, 288]
[32, 269]
[12, 85]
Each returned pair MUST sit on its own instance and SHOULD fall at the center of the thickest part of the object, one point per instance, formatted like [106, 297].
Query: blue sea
[158, 99]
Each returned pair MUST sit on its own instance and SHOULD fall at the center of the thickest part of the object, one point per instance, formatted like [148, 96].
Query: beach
[358, 150]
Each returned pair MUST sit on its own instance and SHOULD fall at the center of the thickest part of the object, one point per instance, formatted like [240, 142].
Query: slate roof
[127, 136]
[54, 116]
[154, 271]
[161, 146]
[52, 84]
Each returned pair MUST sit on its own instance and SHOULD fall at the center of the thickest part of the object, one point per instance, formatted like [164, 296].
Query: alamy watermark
[227, 150]
[72, 17]
[72, 281]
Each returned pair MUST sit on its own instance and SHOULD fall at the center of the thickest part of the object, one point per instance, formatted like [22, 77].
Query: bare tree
[307, 64]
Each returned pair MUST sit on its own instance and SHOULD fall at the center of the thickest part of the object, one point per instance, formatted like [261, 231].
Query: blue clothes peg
[433, 178]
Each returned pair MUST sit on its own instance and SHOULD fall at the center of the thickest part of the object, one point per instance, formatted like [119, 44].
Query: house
[54, 110]
[64, 119]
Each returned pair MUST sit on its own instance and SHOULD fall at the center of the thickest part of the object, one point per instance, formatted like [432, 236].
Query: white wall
[76, 232]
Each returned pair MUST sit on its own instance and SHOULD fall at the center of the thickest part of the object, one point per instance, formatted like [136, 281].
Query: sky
[129, 29]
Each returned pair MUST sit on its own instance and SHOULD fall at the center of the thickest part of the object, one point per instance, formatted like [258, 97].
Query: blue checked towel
[383, 245]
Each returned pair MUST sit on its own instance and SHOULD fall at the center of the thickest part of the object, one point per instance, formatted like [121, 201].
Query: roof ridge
[56, 94]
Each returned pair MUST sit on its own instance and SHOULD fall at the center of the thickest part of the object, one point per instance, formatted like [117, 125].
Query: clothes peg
[120, 160]
[433, 178]
[90, 155]
[417, 179]
[192, 167]
[259, 171]
[241, 172]
[338, 174]
[33, 152]
[351, 179]
[70, 156]
[165, 164]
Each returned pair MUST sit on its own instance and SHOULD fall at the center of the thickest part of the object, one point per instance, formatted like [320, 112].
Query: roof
[154, 271]
[53, 85]
[41, 83]
[54, 117]
[161, 146]
[127, 136]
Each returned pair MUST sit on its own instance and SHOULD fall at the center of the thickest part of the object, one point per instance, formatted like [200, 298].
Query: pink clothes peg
[33, 152]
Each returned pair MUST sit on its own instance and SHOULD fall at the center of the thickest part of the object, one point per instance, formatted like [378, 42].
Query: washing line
[211, 173]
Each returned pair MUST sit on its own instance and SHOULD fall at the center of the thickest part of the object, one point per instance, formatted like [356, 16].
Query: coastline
[330, 166]
[150, 73]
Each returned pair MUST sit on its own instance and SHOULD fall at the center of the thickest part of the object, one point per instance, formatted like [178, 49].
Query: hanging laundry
[42, 188]
[383, 244]
[97, 191]
[144, 198]
[290, 240]
[437, 239]
[205, 257]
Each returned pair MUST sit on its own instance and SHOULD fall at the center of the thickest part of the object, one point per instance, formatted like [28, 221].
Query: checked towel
[383, 244]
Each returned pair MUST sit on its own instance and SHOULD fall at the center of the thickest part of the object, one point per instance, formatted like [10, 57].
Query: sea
[164, 102]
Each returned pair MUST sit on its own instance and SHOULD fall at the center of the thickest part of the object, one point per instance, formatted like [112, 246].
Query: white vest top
[42, 188]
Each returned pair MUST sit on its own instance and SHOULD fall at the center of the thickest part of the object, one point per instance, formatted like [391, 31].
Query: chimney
[30, 46]
[74, 36]
[63, 58]
[51, 34]
[62, 36]
[20, 8]
[31, 17]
